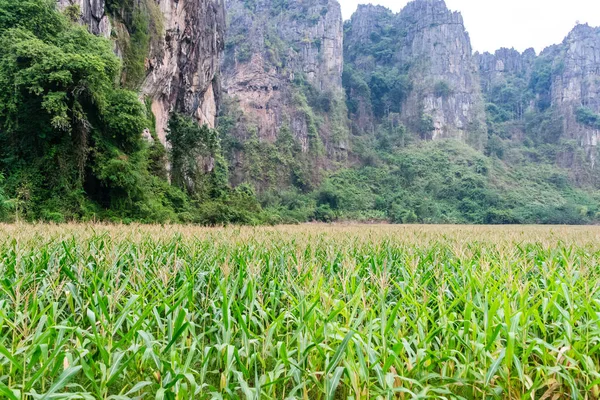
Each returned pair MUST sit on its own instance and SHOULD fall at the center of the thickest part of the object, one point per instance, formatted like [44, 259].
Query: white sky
[510, 23]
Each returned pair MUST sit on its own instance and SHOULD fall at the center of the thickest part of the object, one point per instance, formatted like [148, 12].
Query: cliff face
[282, 72]
[364, 31]
[576, 85]
[93, 14]
[181, 66]
[498, 68]
[291, 71]
[447, 87]
[506, 82]
[551, 98]
[428, 43]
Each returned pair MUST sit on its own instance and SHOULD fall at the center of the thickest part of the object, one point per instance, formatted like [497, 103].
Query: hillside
[256, 111]
[438, 133]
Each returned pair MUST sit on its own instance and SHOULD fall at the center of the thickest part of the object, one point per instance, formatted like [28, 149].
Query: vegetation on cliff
[71, 145]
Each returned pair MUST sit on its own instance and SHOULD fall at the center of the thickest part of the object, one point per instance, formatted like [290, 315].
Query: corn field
[306, 312]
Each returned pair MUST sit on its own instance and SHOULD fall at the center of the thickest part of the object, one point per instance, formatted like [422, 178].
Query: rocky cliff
[183, 69]
[429, 45]
[282, 72]
[505, 64]
[292, 73]
[506, 82]
[576, 86]
[551, 98]
[438, 50]
[93, 14]
[174, 61]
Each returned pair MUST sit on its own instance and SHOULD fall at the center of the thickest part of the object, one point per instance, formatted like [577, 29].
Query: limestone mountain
[285, 115]
[170, 49]
[387, 116]
[415, 67]
[549, 99]
[575, 88]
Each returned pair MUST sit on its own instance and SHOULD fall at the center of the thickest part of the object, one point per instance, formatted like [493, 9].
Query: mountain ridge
[254, 111]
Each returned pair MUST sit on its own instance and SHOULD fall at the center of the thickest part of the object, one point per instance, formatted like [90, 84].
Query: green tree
[197, 164]
[588, 117]
[70, 142]
[4, 203]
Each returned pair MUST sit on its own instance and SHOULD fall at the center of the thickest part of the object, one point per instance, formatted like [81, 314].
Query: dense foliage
[445, 182]
[305, 312]
[65, 126]
[71, 144]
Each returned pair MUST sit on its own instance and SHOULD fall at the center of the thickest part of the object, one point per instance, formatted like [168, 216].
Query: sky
[521, 24]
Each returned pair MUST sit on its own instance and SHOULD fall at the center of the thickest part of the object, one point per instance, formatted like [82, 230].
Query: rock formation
[182, 65]
[439, 50]
[281, 73]
[182, 73]
[283, 70]
[497, 68]
[93, 14]
[563, 82]
[429, 43]
[576, 85]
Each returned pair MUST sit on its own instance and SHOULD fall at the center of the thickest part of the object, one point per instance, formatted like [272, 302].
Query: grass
[307, 312]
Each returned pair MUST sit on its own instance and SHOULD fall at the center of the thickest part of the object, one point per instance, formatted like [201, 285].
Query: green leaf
[335, 360]
[62, 381]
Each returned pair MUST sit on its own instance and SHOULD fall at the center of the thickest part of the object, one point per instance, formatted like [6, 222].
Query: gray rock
[269, 50]
[183, 69]
[495, 69]
[183, 66]
[576, 83]
[433, 47]
[574, 68]
[92, 15]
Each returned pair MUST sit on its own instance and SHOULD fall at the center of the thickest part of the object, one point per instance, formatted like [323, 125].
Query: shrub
[442, 89]
[588, 117]
[324, 213]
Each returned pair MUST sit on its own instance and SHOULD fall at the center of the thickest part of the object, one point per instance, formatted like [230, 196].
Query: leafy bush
[442, 89]
[541, 82]
[71, 146]
[196, 160]
[495, 147]
[4, 204]
[588, 117]
[324, 213]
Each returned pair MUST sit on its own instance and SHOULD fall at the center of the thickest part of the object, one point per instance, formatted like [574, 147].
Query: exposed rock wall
[93, 14]
[429, 43]
[439, 50]
[576, 83]
[367, 23]
[182, 67]
[497, 68]
[283, 61]
[303, 40]
[569, 76]
[283, 70]
[183, 70]
[505, 79]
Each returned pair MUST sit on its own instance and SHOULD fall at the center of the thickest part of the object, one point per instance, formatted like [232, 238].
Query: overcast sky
[510, 23]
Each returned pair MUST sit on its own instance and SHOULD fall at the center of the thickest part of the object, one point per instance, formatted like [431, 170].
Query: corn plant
[307, 312]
